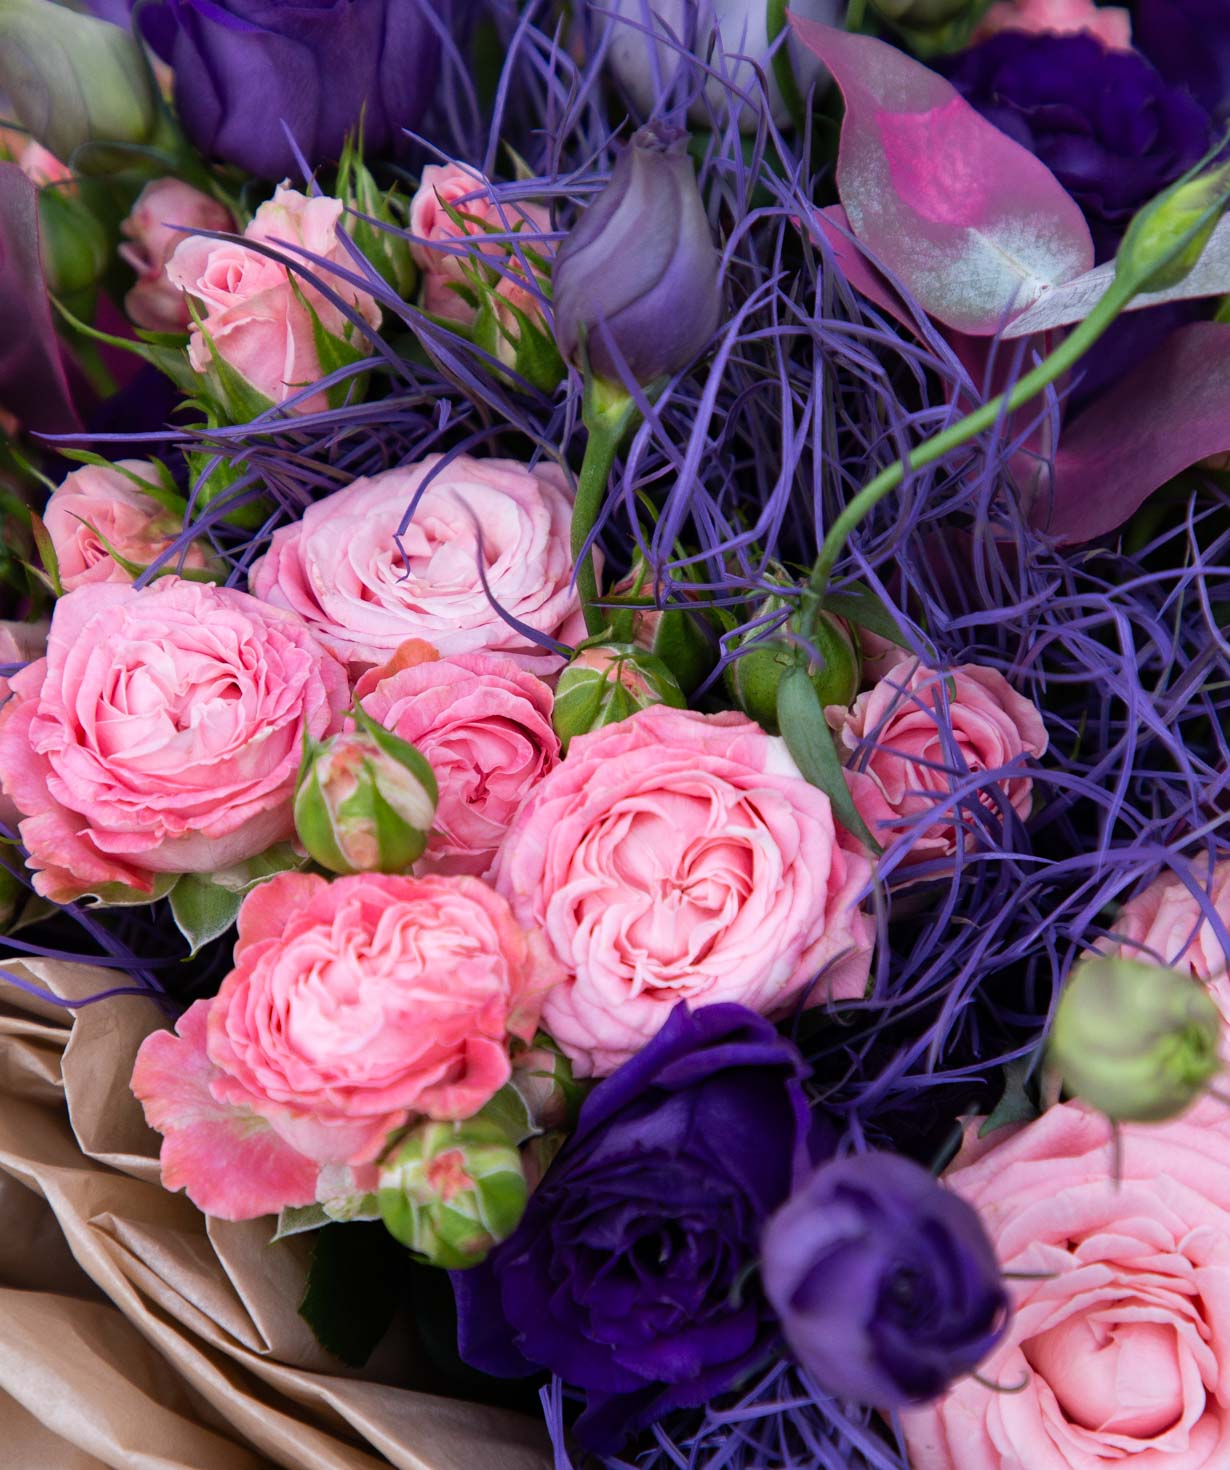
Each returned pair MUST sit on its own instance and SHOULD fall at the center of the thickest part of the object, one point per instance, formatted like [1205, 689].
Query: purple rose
[1189, 43]
[1109, 128]
[885, 1281]
[624, 1275]
[245, 67]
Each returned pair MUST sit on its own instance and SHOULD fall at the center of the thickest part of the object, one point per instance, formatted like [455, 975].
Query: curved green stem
[1059, 362]
[608, 416]
[783, 72]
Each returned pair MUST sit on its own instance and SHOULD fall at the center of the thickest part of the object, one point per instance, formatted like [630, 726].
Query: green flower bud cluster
[607, 682]
[754, 675]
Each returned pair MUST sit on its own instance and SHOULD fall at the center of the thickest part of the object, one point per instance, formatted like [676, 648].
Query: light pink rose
[438, 249]
[20, 643]
[98, 504]
[485, 727]
[256, 310]
[1111, 24]
[1120, 1342]
[919, 734]
[354, 1005]
[342, 572]
[153, 230]
[1165, 924]
[161, 734]
[678, 856]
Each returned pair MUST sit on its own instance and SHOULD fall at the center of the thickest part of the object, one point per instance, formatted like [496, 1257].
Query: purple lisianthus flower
[640, 272]
[243, 68]
[624, 1275]
[1189, 43]
[885, 1282]
[1111, 130]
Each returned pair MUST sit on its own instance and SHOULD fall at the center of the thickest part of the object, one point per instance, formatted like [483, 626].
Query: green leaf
[298, 1220]
[164, 492]
[47, 554]
[509, 1111]
[203, 910]
[1016, 1105]
[800, 717]
[243, 877]
[857, 605]
[347, 1302]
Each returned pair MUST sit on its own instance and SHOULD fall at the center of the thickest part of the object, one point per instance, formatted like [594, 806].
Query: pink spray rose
[256, 310]
[161, 734]
[152, 238]
[678, 856]
[1111, 24]
[354, 1005]
[484, 726]
[438, 251]
[342, 572]
[99, 504]
[1165, 924]
[897, 734]
[20, 643]
[1121, 1338]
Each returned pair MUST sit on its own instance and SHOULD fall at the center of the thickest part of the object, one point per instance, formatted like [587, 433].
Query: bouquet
[617, 616]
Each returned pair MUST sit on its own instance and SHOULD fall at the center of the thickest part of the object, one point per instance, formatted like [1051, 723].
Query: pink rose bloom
[898, 735]
[1111, 24]
[98, 504]
[438, 250]
[342, 572]
[1121, 1344]
[161, 734]
[20, 643]
[484, 726]
[256, 310]
[1165, 924]
[152, 235]
[354, 1005]
[678, 856]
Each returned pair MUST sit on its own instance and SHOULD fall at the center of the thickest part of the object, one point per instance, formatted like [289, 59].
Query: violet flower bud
[885, 1282]
[640, 271]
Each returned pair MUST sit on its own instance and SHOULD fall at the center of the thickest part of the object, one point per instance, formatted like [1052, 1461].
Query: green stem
[609, 413]
[1064, 357]
[783, 72]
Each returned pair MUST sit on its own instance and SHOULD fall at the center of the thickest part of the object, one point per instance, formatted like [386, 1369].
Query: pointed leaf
[974, 225]
[203, 910]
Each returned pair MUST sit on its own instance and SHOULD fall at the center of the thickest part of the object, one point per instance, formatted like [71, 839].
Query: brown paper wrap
[137, 1334]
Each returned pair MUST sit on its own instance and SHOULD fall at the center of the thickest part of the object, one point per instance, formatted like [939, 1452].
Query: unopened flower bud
[368, 210]
[607, 682]
[753, 677]
[1136, 1041]
[452, 1191]
[73, 80]
[542, 1076]
[365, 801]
[683, 639]
[511, 327]
[640, 271]
[1166, 238]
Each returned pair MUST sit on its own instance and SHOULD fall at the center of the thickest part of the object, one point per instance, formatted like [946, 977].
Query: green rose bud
[683, 639]
[542, 1078]
[1136, 1041]
[452, 1191]
[607, 682]
[756, 672]
[1166, 238]
[369, 209]
[365, 801]
[511, 327]
[73, 80]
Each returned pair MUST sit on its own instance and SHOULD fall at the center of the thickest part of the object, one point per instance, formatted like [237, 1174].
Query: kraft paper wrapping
[137, 1334]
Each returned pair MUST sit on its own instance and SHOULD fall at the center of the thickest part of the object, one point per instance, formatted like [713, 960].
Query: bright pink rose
[341, 570]
[1118, 1341]
[919, 734]
[154, 229]
[677, 856]
[161, 734]
[485, 727]
[20, 643]
[1112, 24]
[438, 249]
[1166, 925]
[256, 310]
[354, 1005]
[98, 504]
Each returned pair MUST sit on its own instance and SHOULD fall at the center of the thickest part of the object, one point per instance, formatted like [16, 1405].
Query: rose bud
[365, 801]
[1135, 1041]
[1167, 237]
[511, 327]
[155, 226]
[754, 675]
[639, 273]
[885, 1282]
[542, 1077]
[607, 682]
[367, 210]
[451, 1191]
[683, 639]
[73, 80]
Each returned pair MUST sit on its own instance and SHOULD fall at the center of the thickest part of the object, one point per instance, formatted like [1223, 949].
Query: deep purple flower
[640, 270]
[624, 1274]
[1189, 43]
[885, 1282]
[245, 67]
[1109, 128]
